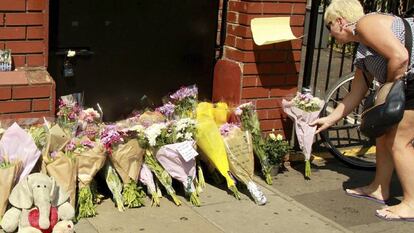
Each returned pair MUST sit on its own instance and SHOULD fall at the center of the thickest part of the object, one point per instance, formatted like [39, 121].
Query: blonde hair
[351, 10]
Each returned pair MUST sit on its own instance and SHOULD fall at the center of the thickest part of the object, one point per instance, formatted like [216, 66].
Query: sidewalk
[220, 212]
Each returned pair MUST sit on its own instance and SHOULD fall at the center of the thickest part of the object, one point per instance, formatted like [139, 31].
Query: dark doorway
[139, 48]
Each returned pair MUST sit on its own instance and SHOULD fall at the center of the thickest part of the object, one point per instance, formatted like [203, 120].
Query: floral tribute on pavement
[143, 154]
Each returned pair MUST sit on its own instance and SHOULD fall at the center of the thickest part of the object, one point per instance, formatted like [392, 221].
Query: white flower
[137, 128]
[238, 111]
[153, 131]
[279, 137]
[188, 136]
[179, 135]
[272, 136]
[71, 53]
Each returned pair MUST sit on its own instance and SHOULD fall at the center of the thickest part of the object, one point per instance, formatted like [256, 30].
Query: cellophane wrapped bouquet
[250, 121]
[239, 148]
[151, 139]
[146, 177]
[185, 101]
[304, 109]
[178, 157]
[68, 113]
[276, 148]
[209, 140]
[127, 157]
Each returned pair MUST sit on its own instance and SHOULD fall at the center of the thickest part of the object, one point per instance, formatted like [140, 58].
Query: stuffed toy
[38, 203]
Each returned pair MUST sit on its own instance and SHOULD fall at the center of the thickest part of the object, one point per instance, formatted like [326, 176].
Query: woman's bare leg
[380, 186]
[400, 141]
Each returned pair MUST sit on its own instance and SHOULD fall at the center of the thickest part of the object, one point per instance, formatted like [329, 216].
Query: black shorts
[409, 95]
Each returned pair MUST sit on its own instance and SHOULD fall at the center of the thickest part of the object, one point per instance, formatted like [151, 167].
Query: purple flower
[71, 146]
[110, 136]
[88, 143]
[226, 128]
[53, 154]
[167, 109]
[185, 92]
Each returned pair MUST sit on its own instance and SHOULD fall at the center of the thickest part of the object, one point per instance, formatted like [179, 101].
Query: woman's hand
[322, 124]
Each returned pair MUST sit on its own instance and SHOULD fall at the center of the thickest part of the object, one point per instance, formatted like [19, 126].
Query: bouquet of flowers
[221, 113]
[250, 122]
[167, 110]
[211, 143]
[9, 173]
[68, 113]
[127, 157]
[304, 109]
[90, 158]
[276, 148]
[89, 123]
[178, 158]
[239, 150]
[152, 138]
[145, 176]
[58, 162]
[18, 156]
[185, 101]
[114, 184]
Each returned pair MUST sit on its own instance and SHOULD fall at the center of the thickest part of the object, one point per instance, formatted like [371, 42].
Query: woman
[381, 55]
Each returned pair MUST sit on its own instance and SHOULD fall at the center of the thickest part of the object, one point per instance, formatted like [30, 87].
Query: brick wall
[264, 74]
[24, 30]
[29, 91]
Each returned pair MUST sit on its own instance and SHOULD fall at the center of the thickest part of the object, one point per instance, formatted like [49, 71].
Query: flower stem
[86, 208]
[195, 199]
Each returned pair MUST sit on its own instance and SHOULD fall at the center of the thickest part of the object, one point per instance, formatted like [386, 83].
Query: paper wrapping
[127, 159]
[147, 178]
[210, 141]
[221, 113]
[64, 170]
[18, 145]
[8, 178]
[177, 167]
[89, 163]
[304, 132]
[239, 149]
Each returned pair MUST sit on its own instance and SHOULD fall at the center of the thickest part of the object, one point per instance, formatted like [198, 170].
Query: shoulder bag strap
[408, 40]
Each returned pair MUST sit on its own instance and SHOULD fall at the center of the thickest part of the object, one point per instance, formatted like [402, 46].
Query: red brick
[272, 56]
[35, 32]
[5, 92]
[26, 46]
[285, 92]
[254, 92]
[13, 78]
[299, 8]
[270, 68]
[35, 60]
[233, 17]
[253, 7]
[14, 106]
[298, 31]
[1, 19]
[25, 19]
[266, 125]
[40, 104]
[239, 30]
[19, 61]
[295, 56]
[10, 33]
[250, 81]
[237, 6]
[238, 55]
[271, 80]
[12, 5]
[27, 115]
[292, 80]
[266, 103]
[277, 8]
[248, 44]
[297, 20]
[32, 92]
[276, 113]
[261, 114]
[36, 5]
[231, 40]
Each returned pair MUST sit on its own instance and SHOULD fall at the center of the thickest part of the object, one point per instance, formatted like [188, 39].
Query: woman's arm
[375, 32]
[349, 103]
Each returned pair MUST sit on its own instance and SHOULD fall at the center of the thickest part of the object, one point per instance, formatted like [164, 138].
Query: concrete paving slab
[384, 227]
[166, 218]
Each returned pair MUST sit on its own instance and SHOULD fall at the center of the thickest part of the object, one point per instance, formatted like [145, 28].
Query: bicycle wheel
[344, 139]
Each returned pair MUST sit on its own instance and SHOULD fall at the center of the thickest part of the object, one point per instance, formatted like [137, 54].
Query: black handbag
[384, 108]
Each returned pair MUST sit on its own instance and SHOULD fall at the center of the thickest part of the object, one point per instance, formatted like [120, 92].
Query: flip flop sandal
[365, 196]
[395, 219]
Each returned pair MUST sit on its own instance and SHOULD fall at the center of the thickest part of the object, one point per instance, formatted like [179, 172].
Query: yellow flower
[279, 137]
[272, 136]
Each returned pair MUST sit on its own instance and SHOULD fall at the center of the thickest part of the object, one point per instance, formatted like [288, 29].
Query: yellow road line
[350, 152]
